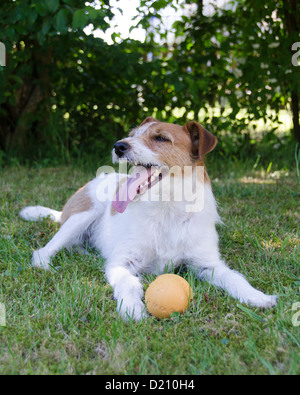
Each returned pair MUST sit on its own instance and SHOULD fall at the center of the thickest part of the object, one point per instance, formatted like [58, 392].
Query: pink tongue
[128, 191]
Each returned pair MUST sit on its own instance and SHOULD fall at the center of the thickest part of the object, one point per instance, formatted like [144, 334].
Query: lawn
[65, 322]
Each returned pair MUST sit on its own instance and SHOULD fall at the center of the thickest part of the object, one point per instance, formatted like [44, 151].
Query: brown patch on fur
[148, 119]
[175, 152]
[185, 146]
[78, 203]
[202, 140]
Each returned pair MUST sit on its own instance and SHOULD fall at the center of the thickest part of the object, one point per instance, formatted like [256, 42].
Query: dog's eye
[161, 138]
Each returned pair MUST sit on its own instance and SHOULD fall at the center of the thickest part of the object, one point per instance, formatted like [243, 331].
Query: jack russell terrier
[144, 221]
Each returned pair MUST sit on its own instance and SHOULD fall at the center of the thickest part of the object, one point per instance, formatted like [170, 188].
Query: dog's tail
[36, 213]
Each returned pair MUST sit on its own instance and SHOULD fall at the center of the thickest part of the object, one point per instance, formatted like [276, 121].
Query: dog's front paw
[135, 310]
[40, 260]
[262, 300]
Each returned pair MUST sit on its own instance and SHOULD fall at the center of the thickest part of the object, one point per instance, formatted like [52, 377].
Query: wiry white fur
[148, 237]
[142, 129]
[69, 235]
[139, 154]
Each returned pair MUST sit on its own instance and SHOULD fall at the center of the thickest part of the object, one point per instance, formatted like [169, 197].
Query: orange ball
[167, 294]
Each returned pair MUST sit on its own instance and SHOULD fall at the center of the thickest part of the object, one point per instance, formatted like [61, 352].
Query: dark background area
[67, 96]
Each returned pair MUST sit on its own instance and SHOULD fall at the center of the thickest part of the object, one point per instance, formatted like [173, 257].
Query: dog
[139, 224]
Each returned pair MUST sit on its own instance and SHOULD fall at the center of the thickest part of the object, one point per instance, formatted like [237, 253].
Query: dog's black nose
[120, 148]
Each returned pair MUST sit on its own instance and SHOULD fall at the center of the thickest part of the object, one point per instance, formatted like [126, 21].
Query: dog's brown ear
[202, 140]
[148, 119]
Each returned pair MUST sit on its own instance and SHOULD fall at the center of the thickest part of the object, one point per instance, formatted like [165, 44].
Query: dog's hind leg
[68, 235]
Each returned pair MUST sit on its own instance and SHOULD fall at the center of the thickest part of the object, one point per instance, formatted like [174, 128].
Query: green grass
[65, 322]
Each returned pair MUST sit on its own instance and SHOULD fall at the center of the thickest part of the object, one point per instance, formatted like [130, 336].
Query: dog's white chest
[154, 236]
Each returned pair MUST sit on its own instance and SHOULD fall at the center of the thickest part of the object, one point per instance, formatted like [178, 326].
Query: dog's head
[155, 147]
[157, 144]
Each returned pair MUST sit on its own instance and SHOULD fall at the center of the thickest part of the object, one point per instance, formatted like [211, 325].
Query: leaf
[92, 12]
[32, 16]
[17, 78]
[41, 8]
[80, 19]
[46, 26]
[250, 313]
[52, 5]
[61, 21]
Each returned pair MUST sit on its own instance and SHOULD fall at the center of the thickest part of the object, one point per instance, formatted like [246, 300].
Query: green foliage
[65, 93]
[237, 59]
[43, 41]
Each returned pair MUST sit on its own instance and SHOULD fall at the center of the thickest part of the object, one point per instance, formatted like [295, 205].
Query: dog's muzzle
[121, 148]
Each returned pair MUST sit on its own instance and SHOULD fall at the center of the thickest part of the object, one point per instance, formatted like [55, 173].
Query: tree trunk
[20, 127]
[295, 112]
[200, 7]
